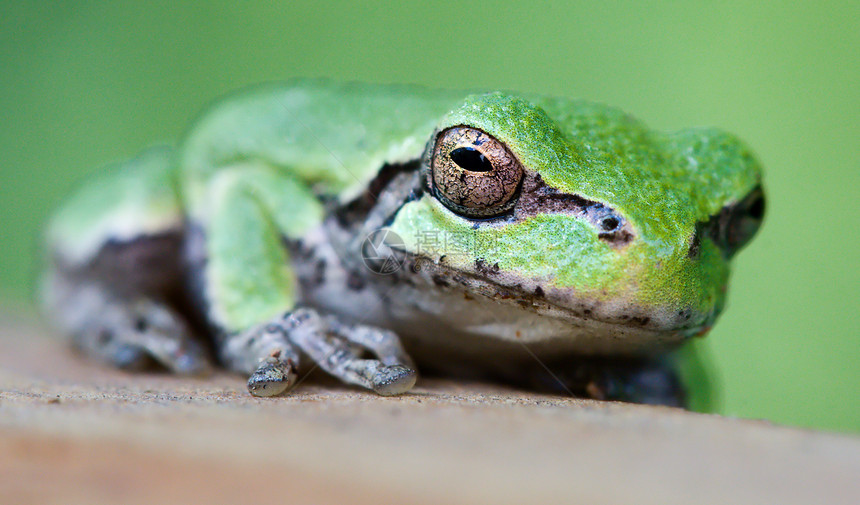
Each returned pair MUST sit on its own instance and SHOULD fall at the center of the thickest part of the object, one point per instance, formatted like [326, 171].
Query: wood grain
[72, 431]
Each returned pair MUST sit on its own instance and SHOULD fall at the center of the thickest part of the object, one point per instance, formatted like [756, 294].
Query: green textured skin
[124, 201]
[319, 138]
[334, 137]
[662, 183]
[282, 146]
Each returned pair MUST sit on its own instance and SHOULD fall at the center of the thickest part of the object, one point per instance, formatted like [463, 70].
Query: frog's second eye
[737, 224]
[474, 174]
[745, 220]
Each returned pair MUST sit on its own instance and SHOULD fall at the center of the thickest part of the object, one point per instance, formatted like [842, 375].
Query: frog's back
[332, 136]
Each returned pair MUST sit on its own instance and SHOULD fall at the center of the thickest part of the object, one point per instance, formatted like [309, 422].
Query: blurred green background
[82, 83]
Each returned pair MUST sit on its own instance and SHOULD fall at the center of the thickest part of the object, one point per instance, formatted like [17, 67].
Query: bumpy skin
[615, 242]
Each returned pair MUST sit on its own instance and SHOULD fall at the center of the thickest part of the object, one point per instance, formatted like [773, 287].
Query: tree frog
[370, 229]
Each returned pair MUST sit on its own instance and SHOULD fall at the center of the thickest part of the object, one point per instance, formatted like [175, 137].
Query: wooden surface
[72, 432]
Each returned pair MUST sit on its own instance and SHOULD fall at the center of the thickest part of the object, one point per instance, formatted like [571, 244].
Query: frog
[372, 230]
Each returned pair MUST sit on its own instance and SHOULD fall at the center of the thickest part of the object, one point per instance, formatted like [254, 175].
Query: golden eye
[474, 174]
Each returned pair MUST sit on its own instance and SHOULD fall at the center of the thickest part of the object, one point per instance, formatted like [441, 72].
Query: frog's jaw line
[533, 296]
[422, 299]
[476, 317]
[562, 256]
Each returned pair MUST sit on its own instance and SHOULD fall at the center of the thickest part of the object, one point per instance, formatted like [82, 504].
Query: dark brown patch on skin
[149, 264]
[537, 197]
[299, 249]
[104, 336]
[355, 212]
[156, 267]
[301, 252]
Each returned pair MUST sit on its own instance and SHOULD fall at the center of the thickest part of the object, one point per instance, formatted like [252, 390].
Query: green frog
[371, 230]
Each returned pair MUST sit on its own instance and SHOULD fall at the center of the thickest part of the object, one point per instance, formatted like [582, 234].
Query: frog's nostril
[609, 224]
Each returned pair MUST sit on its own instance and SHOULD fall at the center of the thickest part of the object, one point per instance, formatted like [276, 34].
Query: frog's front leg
[266, 353]
[251, 293]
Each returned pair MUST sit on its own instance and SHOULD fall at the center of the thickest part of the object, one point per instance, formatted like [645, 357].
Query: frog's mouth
[531, 296]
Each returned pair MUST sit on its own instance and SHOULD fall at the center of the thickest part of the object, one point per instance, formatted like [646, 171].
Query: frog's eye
[738, 223]
[474, 174]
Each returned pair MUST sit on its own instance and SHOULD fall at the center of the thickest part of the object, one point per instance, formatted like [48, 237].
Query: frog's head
[577, 208]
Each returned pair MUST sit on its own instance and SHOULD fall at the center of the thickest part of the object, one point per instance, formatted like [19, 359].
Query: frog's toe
[385, 344]
[165, 337]
[339, 349]
[273, 377]
[130, 357]
[193, 361]
[384, 380]
[136, 352]
[394, 380]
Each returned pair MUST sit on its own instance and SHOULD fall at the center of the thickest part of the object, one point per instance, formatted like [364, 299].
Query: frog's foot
[339, 348]
[274, 376]
[649, 382]
[646, 381]
[266, 355]
[131, 334]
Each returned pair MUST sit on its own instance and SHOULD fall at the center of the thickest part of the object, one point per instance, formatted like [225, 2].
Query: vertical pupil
[469, 158]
